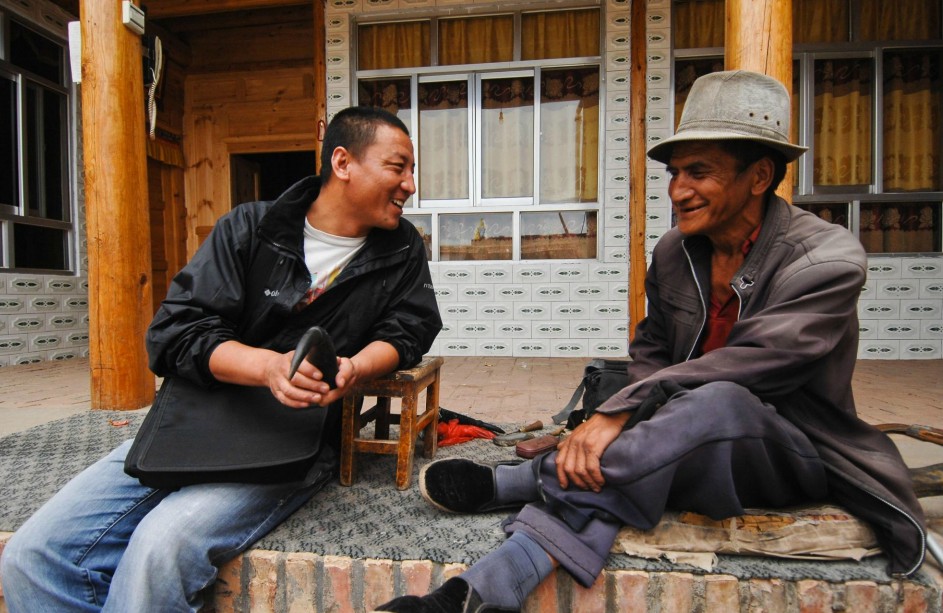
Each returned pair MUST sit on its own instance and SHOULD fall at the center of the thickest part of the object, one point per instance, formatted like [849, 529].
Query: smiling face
[713, 196]
[378, 181]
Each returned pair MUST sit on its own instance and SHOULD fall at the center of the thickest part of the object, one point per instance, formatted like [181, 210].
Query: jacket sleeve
[203, 304]
[411, 321]
[810, 310]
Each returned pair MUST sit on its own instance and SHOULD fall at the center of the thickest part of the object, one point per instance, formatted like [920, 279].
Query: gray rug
[371, 519]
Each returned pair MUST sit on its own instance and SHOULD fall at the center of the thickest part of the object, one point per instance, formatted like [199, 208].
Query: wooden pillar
[116, 208]
[637, 164]
[320, 78]
[759, 38]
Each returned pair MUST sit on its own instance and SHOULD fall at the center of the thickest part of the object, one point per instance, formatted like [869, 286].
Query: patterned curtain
[842, 114]
[443, 140]
[507, 137]
[913, 130]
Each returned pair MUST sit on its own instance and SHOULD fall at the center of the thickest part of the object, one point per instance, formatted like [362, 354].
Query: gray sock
[505, 577]
[515, 483]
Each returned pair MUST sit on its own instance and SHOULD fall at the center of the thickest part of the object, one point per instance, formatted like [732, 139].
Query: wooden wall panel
[257, 111]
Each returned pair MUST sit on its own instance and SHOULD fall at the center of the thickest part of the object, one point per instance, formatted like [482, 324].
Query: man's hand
[307, 387]
[579, 454]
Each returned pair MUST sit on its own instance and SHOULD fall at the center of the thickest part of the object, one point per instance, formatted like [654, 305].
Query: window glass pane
[394, 45]
[45, 113]
[475, 236]
[476, 40]
[832, 212]
[686, 73]
[35, 53]
[900, 19]
[698, 23]
[423, 225]
[913, 120]
[900, 227]
[507, 137]
[558, 235]
[843, 140]
[38, 247]
[9, 177]
[557, 34]
[569, 135]
[443, 140]
[820, 21]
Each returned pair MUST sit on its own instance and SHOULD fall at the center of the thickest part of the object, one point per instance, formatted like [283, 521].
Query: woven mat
[371, 519]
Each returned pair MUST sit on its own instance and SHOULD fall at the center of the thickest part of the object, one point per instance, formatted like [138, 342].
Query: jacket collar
[775, 223]
[283, 225]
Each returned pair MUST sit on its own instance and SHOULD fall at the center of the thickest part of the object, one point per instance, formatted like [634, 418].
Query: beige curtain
[560, 34]
[569, 136]
[393, 45]
[443, 140]
[900, 19]
[913, 130]
[819, 21]
[698, 23]
[842, 114]
[474, 40]
[507, 137]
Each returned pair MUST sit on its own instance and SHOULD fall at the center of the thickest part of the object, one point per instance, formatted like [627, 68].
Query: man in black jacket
[743, 366]
[331, 251]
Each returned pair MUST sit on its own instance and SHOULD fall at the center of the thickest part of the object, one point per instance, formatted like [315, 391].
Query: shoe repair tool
[316, 347]
[541, 444]
[524, 433]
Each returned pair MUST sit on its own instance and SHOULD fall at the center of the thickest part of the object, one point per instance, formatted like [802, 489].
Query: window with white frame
[505, 113]
[35, 214]
[867, 99]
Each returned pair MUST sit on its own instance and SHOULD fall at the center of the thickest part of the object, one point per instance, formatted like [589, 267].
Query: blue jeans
[107, 543]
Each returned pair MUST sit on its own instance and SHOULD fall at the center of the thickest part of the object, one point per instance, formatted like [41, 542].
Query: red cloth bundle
[453, 433]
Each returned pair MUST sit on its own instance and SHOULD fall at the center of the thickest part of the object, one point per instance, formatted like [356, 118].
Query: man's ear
[340, 163]
[763, 170]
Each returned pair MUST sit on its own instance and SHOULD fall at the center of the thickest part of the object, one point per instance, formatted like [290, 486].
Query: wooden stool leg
[350, 422]
[382, 428]
[430, 441]
[407, 441]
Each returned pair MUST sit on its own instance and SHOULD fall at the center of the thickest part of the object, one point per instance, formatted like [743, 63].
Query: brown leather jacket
[794, 346]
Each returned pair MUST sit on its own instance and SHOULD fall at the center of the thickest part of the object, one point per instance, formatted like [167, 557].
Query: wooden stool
[405, 384]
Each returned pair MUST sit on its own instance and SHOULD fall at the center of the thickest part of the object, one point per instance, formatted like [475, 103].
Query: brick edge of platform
[269, 581]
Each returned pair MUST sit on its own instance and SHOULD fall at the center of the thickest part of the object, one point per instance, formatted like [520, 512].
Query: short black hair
[354, 129]
[747, 152]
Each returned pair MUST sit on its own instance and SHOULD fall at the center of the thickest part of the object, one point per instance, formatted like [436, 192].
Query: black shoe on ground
[453, 596]
[459, 485]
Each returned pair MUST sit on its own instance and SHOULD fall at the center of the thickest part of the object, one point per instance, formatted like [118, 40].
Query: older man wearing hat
[739, 388]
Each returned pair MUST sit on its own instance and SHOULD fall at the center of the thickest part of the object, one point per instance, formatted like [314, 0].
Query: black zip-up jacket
[246, 281]
[794, 346]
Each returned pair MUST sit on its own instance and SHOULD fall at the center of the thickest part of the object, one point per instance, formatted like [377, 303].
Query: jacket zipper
[700, 296]
[744, 283]
[923, 536]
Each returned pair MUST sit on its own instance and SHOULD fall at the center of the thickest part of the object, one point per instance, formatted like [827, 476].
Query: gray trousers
[714, 450]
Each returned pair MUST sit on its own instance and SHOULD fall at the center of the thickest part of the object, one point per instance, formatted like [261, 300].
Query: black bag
[228, 433]
[601, 379]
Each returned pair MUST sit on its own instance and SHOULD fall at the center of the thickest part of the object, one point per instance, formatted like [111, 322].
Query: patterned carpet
[371, 519]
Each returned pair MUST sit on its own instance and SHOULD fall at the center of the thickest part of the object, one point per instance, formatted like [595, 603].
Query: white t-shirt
[325, 256]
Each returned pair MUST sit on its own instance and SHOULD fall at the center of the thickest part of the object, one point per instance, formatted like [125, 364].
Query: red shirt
[722, 316]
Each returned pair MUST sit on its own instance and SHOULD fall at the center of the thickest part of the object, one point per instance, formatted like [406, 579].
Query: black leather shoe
[454, 596]
[459, 485]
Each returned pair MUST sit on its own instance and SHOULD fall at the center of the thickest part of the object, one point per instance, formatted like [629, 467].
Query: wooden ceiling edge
[169, 9]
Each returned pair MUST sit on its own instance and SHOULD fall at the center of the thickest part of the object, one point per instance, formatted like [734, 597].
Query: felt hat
[734, 105]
